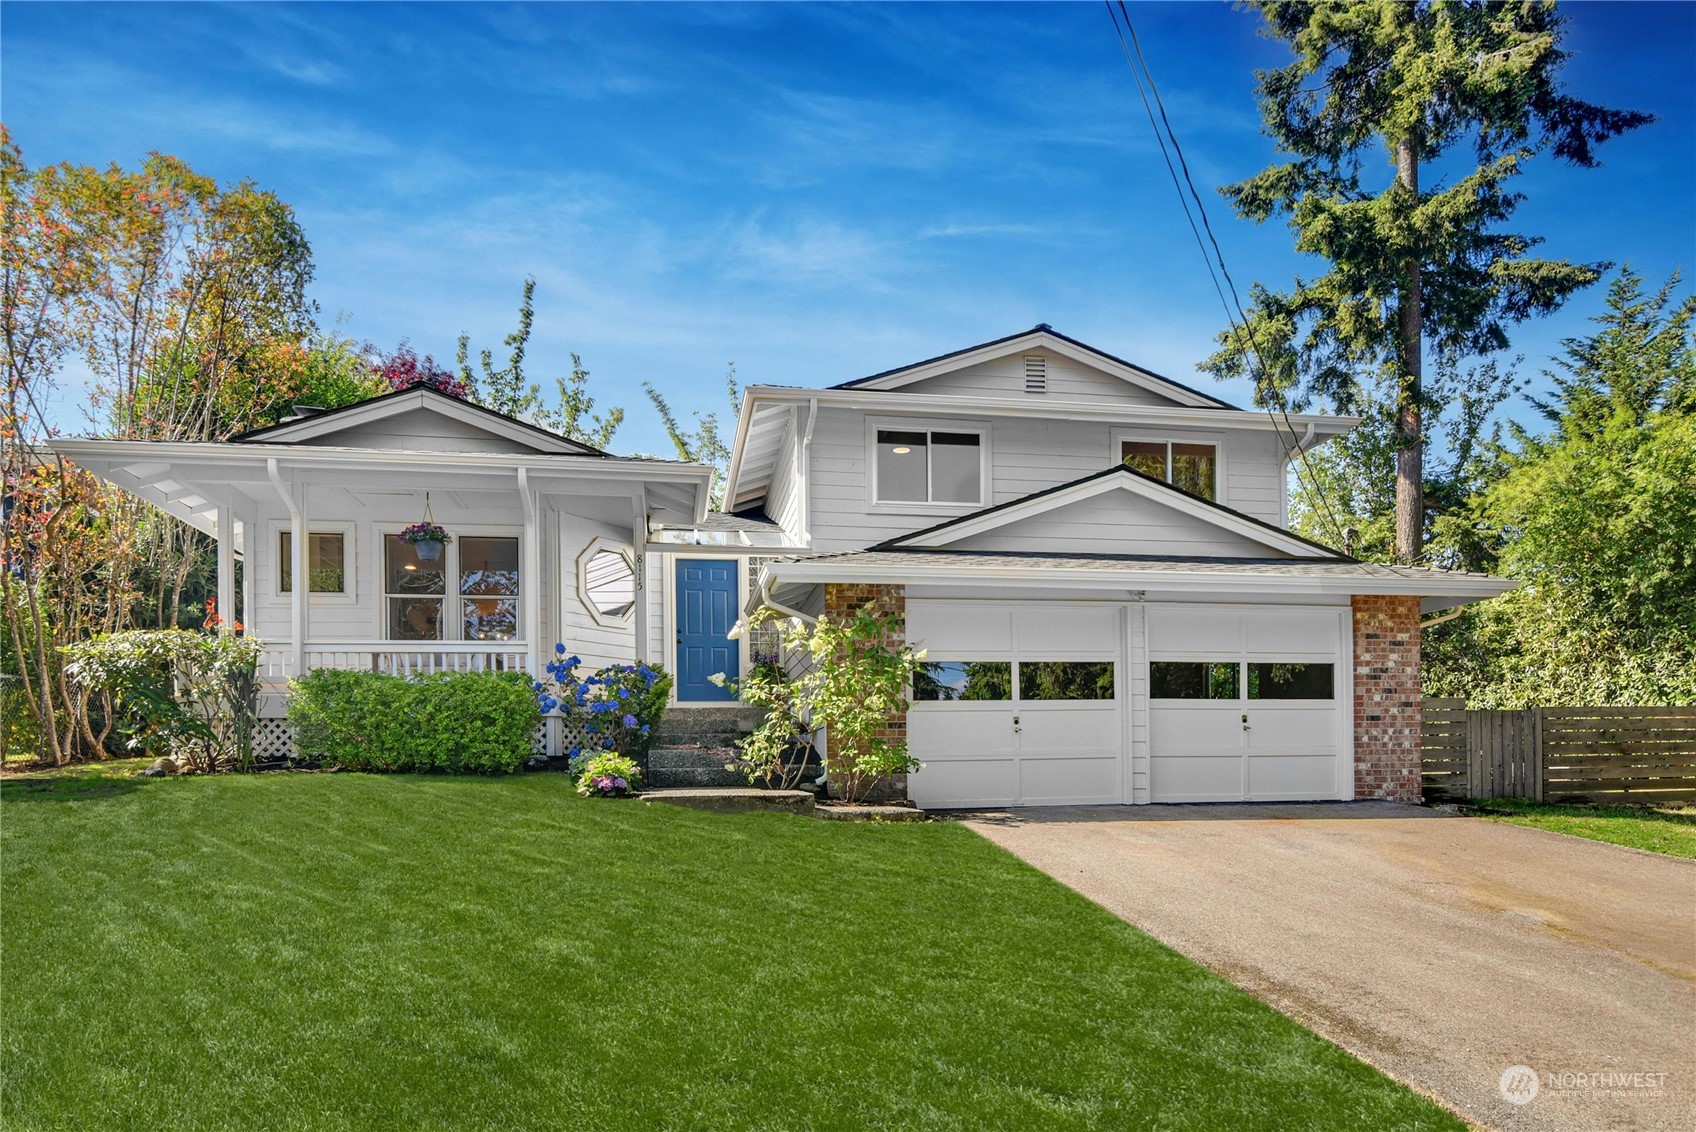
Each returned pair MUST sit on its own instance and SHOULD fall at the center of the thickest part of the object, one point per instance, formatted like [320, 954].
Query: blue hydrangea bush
[616, 709]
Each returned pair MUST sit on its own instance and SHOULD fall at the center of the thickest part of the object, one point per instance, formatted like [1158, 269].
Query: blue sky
[817, 192]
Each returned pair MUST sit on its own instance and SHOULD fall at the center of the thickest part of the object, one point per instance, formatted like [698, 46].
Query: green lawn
[1660, 830]
[356, 952]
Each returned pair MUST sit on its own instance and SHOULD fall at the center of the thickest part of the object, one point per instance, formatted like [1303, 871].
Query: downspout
[807, 477]
[529, 590]
[1427, 622]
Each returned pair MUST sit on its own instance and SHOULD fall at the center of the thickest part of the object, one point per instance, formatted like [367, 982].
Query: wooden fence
[1620, 754]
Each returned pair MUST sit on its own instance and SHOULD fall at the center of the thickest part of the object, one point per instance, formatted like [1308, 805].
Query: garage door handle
[1016, 727]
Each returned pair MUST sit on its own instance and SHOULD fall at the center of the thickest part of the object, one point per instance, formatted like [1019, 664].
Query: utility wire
[1162, 132]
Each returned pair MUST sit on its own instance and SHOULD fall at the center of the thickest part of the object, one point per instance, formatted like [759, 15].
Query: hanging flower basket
[428, 538]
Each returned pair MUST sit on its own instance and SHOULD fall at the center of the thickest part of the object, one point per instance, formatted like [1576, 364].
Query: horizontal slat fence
[1632, 754]
[1618, 754]
[1443, 736]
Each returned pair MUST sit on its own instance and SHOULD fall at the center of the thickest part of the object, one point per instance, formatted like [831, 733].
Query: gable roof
[1040, 336]
[1118, 478]
[418, 397]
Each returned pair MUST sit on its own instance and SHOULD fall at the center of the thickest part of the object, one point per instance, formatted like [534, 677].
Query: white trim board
[1101, 484]
[1043, 340]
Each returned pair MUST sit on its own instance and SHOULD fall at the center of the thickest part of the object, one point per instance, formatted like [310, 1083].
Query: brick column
[1386, 697]
[841, 602]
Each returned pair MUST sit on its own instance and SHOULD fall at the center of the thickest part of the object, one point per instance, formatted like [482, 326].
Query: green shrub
[454, 722]
[606, 775]
[190, 694]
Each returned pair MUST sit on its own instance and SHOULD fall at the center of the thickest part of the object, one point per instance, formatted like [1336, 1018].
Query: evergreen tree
[1410, 266]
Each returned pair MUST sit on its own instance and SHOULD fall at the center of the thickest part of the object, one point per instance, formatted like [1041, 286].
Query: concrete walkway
[1441, 949]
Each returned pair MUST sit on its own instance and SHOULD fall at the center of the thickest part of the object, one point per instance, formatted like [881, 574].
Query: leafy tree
[704, 443]
[1345, 495]
[1410, 266]
[1598, 522]
[507, 390]
[404, 369]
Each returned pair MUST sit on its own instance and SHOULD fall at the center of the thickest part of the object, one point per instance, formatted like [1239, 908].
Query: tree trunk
[1410, 441]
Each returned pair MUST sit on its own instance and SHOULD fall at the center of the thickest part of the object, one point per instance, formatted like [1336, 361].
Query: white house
[1096, 558]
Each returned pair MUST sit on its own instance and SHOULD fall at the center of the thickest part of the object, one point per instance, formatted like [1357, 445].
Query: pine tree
[1412, 267]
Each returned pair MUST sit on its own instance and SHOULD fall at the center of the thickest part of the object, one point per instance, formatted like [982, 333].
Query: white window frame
[349, 594]
[453, 612]
[981, 429]
[596, 545]
[1153, 436]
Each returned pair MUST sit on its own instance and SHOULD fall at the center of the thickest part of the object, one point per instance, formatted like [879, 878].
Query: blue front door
[706, 608]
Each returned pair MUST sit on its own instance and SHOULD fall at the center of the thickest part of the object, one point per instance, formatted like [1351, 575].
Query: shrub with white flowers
[617, 708]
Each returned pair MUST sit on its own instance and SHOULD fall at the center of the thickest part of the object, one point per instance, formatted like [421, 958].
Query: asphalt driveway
[1442, 949]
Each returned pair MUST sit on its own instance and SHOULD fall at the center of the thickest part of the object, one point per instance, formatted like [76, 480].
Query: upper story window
[1190, 466]
[929, 466]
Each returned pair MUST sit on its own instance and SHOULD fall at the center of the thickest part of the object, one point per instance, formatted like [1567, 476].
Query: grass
[1658, 829]
[356, 952]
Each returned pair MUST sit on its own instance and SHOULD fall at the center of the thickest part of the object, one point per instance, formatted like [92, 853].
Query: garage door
[1247, 704]
[1018, 704]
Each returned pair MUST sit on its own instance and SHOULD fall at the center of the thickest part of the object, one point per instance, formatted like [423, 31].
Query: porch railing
[398, 658]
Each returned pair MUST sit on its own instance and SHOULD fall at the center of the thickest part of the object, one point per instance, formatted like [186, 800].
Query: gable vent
[1036, 374]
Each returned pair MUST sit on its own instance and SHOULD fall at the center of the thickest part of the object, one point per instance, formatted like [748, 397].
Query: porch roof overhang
[1222, 578]
[192, 479]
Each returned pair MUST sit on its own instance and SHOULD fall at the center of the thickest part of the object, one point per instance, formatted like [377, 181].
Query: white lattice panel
[273, 739]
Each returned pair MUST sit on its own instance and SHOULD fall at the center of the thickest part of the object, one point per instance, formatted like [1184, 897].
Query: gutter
[898, 401]
[771, 602]
[316, 454]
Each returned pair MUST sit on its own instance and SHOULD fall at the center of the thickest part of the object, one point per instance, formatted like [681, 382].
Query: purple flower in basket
[424, 532]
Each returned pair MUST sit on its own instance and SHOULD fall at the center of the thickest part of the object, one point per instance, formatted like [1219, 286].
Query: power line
[1139, 71]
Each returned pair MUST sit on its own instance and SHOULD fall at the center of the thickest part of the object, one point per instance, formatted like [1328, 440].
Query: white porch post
[294, 497]
[530, 574]
[639, 542]
[225, 518]
[249, 555]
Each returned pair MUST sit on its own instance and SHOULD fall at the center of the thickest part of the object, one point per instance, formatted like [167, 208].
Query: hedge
[453, 722]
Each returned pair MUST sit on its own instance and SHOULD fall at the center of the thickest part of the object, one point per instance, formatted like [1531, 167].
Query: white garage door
[1018, 704]
[1248, 704]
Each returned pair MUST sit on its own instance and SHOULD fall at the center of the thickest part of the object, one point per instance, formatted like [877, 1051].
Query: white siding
[420, 431]
[1067, 381]
[583, 636]
[1116, 523]
[1027, 455]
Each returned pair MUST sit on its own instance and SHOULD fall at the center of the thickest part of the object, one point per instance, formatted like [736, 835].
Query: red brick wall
[1386, 697]
[841, 602]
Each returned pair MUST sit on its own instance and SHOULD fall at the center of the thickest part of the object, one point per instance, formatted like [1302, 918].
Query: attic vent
[1036, 374]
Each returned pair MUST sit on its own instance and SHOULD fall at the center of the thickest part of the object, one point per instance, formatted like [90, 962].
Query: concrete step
[717, 726]
[693, 767]
[733, 801]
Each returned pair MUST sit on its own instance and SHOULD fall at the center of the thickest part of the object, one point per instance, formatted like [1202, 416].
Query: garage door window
[975, 680]
[1193, 680]
[1282, 681]
[1065, 679]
